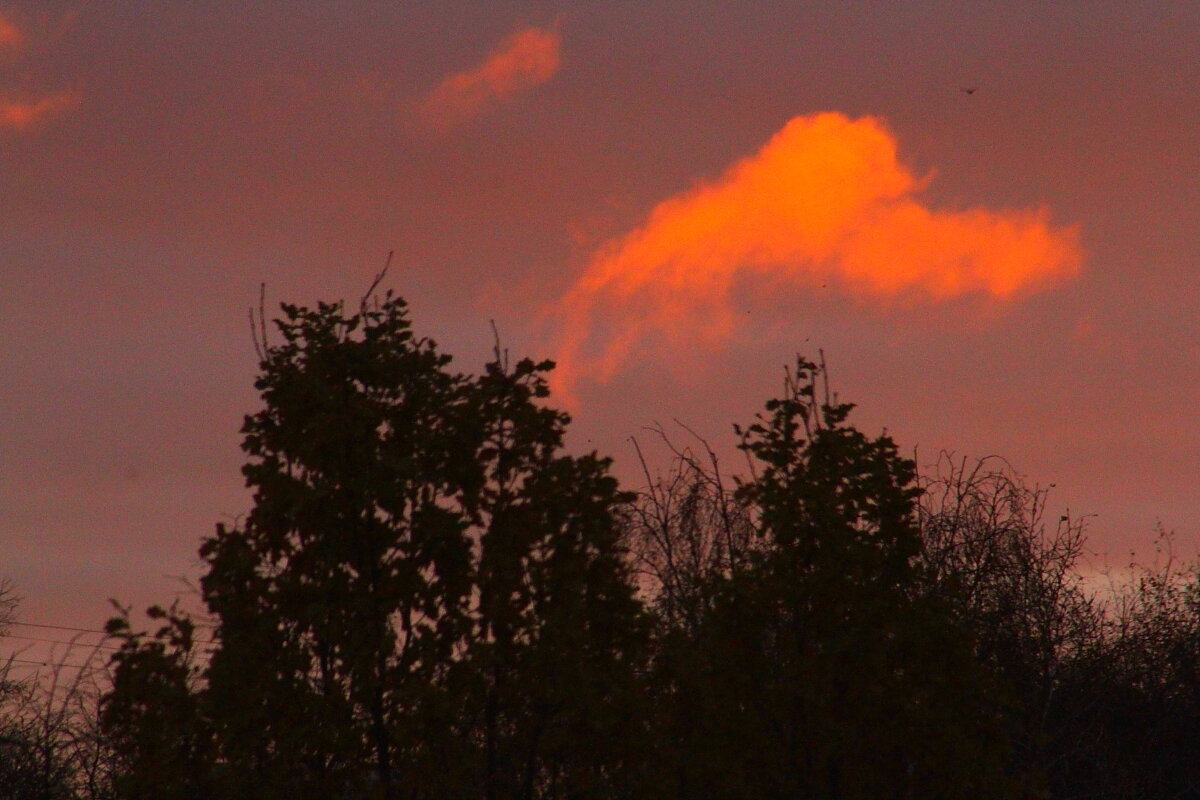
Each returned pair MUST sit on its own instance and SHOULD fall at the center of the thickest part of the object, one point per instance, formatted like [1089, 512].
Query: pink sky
[169, 161]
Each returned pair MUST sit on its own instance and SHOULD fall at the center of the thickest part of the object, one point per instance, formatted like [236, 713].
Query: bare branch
[362, 304]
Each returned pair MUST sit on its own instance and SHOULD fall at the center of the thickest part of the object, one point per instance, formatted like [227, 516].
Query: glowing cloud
[23, 115]
[10, 34]
[824, 200]
[523, 60]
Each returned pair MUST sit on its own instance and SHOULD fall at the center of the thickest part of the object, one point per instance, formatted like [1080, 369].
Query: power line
[16, 660]
[58, 627]
[82, 630]
[59, 641]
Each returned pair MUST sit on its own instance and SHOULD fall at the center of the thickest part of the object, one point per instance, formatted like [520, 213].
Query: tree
[822, 667]
[427, 599]
[559, 635]
[50, 744]
[347, 585]
[687, 528]
[161, 746]
[1128, 706]
[1014, 581]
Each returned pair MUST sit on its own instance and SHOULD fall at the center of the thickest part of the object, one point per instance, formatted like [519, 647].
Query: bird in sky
[969, 89]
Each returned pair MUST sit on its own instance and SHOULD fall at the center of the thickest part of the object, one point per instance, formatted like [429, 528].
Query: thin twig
[501, 355]
[258, 349]
[262, 314]
[825, 376]
[362, 304]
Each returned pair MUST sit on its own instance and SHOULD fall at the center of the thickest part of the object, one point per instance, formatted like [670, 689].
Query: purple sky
[159, 161]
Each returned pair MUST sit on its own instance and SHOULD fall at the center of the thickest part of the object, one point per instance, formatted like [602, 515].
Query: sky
[671, 199]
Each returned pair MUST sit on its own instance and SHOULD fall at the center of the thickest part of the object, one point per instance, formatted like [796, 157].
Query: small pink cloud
[526, 59]
[21, 115]
[10, 35]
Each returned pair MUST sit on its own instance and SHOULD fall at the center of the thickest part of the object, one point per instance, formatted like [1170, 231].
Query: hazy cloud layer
[825, 200]
[523, 60]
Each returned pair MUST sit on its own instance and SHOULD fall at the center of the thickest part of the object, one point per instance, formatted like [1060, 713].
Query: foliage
[557, 633]
[162, 747]
[427, 598]
[820, 668]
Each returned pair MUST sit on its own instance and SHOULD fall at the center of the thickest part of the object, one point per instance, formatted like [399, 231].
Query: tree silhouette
[558, 634]
[51, 746]
[346, 588]
[160, 742]
[821, 668]
[1013, 577]
[427, 599]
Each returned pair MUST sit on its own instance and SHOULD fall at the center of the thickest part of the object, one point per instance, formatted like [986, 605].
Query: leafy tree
[427, 598]
[347, 586]
[822, 668]
[558, 633]
[161, 745]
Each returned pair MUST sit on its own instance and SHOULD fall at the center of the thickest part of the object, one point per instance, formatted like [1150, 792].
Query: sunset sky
[673, 199]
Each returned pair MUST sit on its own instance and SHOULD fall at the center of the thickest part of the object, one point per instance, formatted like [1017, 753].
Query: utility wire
[83, 630]
[58, 627]
[59, 641]
[16, 660]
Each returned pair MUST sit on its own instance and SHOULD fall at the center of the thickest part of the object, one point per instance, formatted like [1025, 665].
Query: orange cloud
[523, 60]
[23, 115]
[824, 200]
[10, 34]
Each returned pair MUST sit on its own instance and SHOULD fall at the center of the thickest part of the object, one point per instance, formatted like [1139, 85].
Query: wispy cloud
[24, 110]
[825, 200]
[526, 59]
[10, 35]
[22, 115]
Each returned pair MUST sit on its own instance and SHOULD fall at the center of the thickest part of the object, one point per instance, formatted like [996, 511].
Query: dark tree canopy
[429, 598]
[820, 668]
